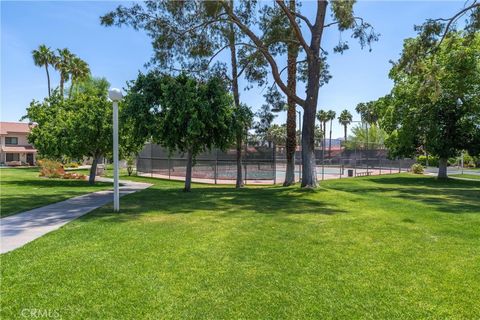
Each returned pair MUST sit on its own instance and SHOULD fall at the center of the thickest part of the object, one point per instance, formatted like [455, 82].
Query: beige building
[15, 149]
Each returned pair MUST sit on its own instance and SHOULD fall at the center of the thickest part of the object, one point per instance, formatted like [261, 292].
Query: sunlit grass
[22, 189]
[390, 247]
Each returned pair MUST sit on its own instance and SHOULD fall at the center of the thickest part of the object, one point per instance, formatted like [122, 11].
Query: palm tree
[345, 119]
[79, 70]
[322, 116]
[331, 116]
[368, 114]
[63, 65]
[43, 57]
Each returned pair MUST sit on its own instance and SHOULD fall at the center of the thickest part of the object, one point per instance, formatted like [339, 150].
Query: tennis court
[264, 165]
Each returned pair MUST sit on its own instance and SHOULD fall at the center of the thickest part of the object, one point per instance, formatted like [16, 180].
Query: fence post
[323, 160]
[274, 164]
[355, 163]
[151, 161]
[216, 167]
[299, 169]
[245, 159]
[367, 157]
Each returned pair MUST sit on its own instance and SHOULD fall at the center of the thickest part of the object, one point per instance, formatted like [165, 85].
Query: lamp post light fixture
[115, 95]
[459, 102]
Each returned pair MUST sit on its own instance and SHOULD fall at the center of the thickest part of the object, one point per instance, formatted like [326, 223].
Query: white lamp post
[115, 95]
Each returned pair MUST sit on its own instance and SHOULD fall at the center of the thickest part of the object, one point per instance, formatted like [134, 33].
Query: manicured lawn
[390, 247]
[468, 176]
[22, 189]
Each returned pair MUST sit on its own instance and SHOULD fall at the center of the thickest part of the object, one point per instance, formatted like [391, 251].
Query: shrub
[71, 165]
[417, 168]
[50, 168]
[73, 175]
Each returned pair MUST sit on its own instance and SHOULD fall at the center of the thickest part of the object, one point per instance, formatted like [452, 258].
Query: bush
[71, 165]
[417, 168]
[432, 161]
[74, 176]
[50, 169]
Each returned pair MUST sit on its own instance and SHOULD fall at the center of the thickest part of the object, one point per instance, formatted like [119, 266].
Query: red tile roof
[14, 127]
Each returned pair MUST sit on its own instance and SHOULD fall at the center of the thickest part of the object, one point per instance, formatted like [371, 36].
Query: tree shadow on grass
[223, 201]
[448, 195]
[31, 194]
[51, 183]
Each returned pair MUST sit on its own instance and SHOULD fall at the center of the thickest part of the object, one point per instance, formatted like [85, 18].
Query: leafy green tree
[277, 134]
[239, 13]
[187, 38]
[345, 119]
[182, 114]
[344, 19]
[435, 103]
[78, 127]
[74, 128]
[433, 32]
[44, 57]
[374, 136]
[264, 122]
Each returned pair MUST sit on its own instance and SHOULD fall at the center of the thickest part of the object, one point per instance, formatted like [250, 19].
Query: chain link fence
[266, 164]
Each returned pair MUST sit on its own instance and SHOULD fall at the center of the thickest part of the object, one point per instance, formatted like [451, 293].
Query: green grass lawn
[390, 247]
[467, 176]
[22, 189]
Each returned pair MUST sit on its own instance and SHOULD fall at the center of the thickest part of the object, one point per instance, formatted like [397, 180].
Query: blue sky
[119, 53]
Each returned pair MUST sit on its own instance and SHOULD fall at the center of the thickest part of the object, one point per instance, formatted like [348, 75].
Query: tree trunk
[236, 99]
[62, 81]
[309, 172]
[291, 143]
[48, 78]
[93, 170]
[330, 141]
[345, 132]
[442, 168]
[188, 176]
[71, 89]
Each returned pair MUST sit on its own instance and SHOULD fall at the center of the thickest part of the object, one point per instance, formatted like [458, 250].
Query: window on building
[11, 140]
[13, 157]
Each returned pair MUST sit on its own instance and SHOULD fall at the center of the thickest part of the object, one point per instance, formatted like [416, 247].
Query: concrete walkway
[21, 228]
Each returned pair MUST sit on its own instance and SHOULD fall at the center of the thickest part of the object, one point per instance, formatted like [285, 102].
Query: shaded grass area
[389, 247]
[22, 189]
[466, 176]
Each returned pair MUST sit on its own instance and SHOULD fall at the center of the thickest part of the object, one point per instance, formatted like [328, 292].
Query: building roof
[19, 149]
[14, 127]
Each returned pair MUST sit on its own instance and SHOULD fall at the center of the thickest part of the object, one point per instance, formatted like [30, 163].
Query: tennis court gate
[266, 164]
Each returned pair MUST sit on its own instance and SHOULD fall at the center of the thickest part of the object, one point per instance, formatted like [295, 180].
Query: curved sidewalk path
[21, 228]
